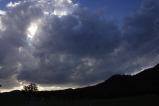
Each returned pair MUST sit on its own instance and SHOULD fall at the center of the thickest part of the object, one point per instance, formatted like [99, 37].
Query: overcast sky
[63, 43]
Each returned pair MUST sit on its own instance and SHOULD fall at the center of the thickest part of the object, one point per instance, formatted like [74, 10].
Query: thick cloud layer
[58, 42]
[141, 32]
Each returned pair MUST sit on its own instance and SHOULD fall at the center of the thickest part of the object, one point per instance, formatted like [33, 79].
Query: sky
[60, 44]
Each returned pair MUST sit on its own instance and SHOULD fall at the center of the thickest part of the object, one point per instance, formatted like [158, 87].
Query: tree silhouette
[31, 88]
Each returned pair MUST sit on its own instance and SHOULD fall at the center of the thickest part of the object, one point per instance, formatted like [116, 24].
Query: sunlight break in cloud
[57, 7]
[2, 13]
[33, 29]
[13, 4]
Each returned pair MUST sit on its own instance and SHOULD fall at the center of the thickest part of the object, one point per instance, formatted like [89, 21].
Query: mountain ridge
[143, 83]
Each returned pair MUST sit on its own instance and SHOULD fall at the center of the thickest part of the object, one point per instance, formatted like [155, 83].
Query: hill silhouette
[143, 83]
[117, 86]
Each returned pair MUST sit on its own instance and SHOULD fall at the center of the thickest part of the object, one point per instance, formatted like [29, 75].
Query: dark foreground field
[130, 101]
[148, 100]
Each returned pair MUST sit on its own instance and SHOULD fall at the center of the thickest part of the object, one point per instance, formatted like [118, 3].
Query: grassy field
[129, 101]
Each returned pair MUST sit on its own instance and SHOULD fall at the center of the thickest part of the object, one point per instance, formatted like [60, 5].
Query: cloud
[141, 31]
[2, 12]
[73, 45]
[80, 34]
[13, 4]
[12, 37]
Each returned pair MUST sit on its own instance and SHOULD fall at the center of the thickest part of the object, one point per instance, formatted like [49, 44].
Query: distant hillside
[146, 82]
[118, 86]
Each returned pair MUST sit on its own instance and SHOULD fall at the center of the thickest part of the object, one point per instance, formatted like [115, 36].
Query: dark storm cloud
[81, 47]
[80, 34]
[70, 49]
[141, 32]
[15, 22]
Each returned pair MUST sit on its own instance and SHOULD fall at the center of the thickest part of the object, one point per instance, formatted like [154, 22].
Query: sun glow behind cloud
[49, 9]
[31, 31]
